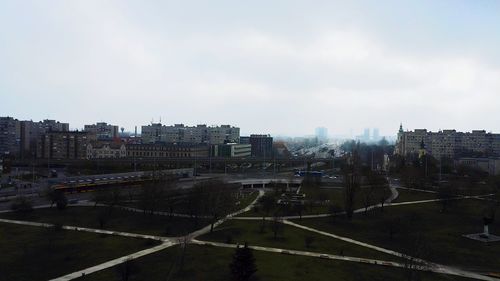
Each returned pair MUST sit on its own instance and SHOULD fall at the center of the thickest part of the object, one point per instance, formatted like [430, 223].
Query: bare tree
[268, 203]
[277, 225]
[367, 198]
[416, 248]
[446, 195]
[351, 182]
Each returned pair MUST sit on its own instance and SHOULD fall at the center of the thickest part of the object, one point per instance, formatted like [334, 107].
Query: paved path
[394, 195]
[91, 230]
[424, 267]
[219, 222]
[115, 262]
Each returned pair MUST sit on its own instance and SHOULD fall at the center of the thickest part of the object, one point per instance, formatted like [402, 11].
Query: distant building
[489, 165]
[448, 143]
[233, 150]
[179, 133]
[103, 150]
[64, 145]
[167, 150]
[322, 134]
[262, 145]
[51, 125]
[376, 134]
[102, 130]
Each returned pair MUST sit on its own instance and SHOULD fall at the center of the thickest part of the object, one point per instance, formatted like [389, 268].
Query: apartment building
[448, 143]
[178, 133]
[10, 132]
[64, 145]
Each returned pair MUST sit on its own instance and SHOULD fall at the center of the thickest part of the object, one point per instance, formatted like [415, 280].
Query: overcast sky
[278, 67]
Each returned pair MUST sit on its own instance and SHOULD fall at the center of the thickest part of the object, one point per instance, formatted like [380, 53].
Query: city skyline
[426, 64]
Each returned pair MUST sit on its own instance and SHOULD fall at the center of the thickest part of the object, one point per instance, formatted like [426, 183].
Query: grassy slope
[118, 220]
[442, 232]
[32, 253]
[238, 231]
[210, 263]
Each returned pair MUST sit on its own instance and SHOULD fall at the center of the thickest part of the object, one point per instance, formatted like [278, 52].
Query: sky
[273, 67]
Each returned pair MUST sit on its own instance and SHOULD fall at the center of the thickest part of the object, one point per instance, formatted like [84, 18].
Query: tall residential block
[448, 143]
[179, 133]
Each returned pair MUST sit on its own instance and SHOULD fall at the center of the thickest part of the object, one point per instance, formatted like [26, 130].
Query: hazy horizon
[280, 68]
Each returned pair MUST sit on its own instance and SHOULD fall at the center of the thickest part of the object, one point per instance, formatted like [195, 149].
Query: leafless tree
[277, 225]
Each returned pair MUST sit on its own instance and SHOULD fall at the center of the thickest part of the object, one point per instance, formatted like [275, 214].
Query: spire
[400, 127]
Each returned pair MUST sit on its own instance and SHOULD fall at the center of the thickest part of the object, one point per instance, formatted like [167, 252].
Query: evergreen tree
[243, 265]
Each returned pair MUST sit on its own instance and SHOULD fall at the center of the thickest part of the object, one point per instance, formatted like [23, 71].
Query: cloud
[117, 67]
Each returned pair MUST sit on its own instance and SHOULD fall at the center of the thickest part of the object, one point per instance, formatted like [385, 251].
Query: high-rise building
[10, 135]
[366, 134]
[322, 134]
[376, 134]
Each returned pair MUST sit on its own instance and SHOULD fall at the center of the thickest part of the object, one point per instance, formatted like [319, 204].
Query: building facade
[489, 165]
[102, 130]
[232, 150]
[106, 150]
[179, 133]
[64, 145]
[262, 145]
[322, 134]
[167, 150]
[9, 135]
[448, 143]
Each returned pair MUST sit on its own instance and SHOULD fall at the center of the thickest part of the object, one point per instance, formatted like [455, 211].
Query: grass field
[118, 220]
[211, 263]
[33, 253]
[406, 195]
[319, 200]
[181, 204]
[239, 231]
[441, 233]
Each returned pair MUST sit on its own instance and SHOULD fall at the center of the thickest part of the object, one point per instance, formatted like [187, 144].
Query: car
[324, 256]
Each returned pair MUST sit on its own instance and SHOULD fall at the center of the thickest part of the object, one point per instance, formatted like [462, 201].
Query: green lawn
[211, 263]
[239, 231]
[118, 220]
[181, 204]
[442, 239]
[319, 200]
[406, 195]
[33, 253]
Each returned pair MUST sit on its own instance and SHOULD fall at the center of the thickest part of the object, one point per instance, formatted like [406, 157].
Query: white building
[103, 150]
[179, 133]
